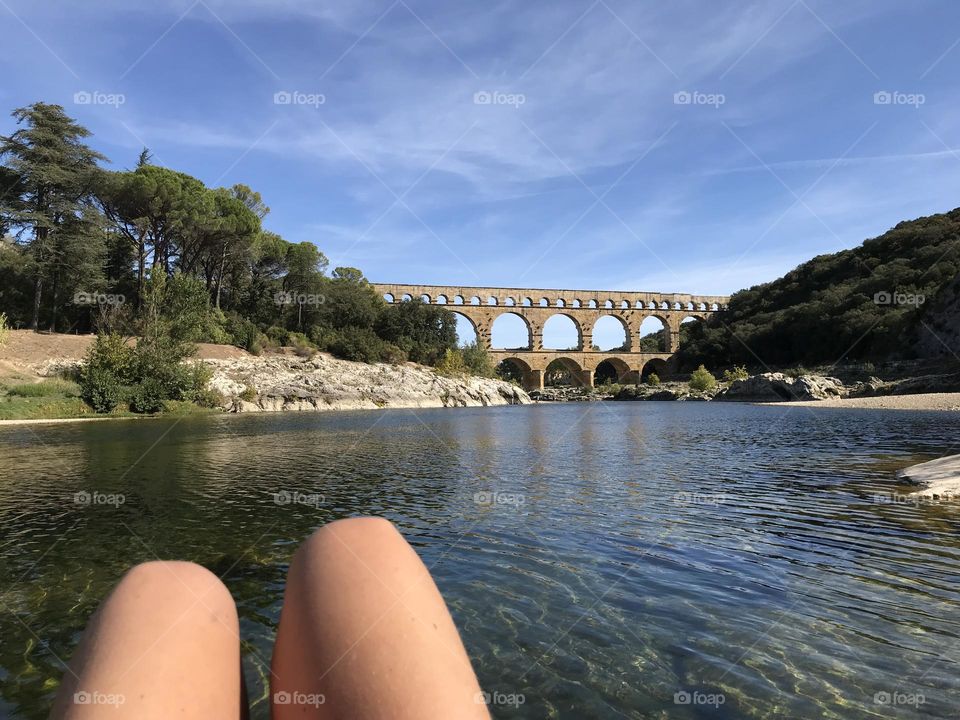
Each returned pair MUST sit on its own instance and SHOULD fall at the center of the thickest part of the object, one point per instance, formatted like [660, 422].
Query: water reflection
[656, 550]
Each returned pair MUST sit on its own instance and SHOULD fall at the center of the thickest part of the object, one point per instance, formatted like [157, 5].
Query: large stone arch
[654, 365]
[576, 324]
[526, 323]
[624, 323]
[622, 370]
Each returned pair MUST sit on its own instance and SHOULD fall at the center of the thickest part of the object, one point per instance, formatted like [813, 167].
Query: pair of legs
[364, 633]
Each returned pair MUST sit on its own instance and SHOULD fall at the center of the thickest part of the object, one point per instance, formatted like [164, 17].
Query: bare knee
[349, 542]
[179, 586]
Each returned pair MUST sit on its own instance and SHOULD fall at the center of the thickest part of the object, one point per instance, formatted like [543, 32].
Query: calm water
[658, 549]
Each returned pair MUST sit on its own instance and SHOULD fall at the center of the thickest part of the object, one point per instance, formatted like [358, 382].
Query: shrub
[478, 360]
[101, 388]
[737, 372]
[796, 372]
[452, 364]
[243, 332]
[249, 394]
[702, 379]
[149, 396]
[653, 379]
[4, 328]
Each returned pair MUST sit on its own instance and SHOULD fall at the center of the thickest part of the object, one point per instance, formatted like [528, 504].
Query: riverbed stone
[285, 382]
[772, 387]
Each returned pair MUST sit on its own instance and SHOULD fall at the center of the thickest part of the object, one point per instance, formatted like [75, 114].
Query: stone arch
[517, 369]
[425, 299]
[571, 368]
[389, 298]
[714, 307]
[441, 300]
[475, 300]
[501, 319]
[651, 305]
[527, 302]
[608, 304]
[510, 302]
[655, 365]
[576, 303]
[464, 322]
[544, 302]
[625, 342]
[664, 305]
[563, 345]
[701, 306]
[624, 305]
[619, 371]
[591, 304]
[561, 303]
[492, 300]
[406, 298]
[648, 328]
[458, 299]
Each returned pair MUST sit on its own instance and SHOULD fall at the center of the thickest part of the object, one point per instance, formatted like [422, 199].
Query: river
[602, 560]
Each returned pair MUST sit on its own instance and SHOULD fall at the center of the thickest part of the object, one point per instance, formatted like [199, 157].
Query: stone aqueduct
[483, 305]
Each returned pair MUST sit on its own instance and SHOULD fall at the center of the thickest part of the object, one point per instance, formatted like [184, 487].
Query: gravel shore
[923, 401]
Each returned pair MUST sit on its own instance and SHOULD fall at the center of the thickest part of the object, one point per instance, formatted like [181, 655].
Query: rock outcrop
[940, 478]
[772, 387]
[284, 382]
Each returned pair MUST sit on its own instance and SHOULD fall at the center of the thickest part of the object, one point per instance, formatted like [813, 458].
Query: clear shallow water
[660, 548]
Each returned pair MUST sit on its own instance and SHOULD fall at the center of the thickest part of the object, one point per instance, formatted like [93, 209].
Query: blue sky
[690, 146]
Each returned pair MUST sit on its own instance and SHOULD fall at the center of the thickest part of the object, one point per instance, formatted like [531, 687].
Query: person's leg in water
[164, 644]
[364, 633]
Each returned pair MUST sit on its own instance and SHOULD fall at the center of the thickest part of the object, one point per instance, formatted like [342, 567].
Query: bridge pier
[586, 378]
[533, 380]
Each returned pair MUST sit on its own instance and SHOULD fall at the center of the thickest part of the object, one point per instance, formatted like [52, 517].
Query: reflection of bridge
[481, 306]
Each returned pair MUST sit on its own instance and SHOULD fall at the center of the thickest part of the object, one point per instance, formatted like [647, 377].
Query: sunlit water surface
[639, 554]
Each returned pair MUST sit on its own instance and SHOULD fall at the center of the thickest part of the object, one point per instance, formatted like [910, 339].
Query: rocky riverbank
[284, 382]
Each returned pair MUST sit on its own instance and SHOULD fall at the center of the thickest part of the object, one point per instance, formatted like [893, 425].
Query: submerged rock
[772, 387]
[282, 382]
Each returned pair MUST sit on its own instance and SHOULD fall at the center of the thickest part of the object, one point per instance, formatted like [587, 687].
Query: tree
[56, 172]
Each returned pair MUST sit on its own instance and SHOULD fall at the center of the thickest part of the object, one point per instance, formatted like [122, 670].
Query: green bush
[452, 364]
[249, 394]
[148, 397]
[653, 379]
[737, 372]
[702, 379]
[478, 360]
[101, 389]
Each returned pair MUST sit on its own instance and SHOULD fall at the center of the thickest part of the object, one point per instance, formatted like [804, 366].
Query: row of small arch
[544, 302]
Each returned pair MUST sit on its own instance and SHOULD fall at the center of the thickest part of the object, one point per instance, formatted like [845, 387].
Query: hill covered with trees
[894, 296]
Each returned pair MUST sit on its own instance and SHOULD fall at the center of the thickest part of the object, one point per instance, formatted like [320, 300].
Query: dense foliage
[88, 249]
[863, 303]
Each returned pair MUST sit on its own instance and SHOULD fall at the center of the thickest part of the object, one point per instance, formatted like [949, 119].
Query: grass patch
[46, 388]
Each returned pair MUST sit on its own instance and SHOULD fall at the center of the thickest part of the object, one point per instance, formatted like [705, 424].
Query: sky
[687, 146]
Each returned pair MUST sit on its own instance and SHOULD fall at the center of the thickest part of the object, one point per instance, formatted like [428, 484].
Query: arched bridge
[481, 306]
